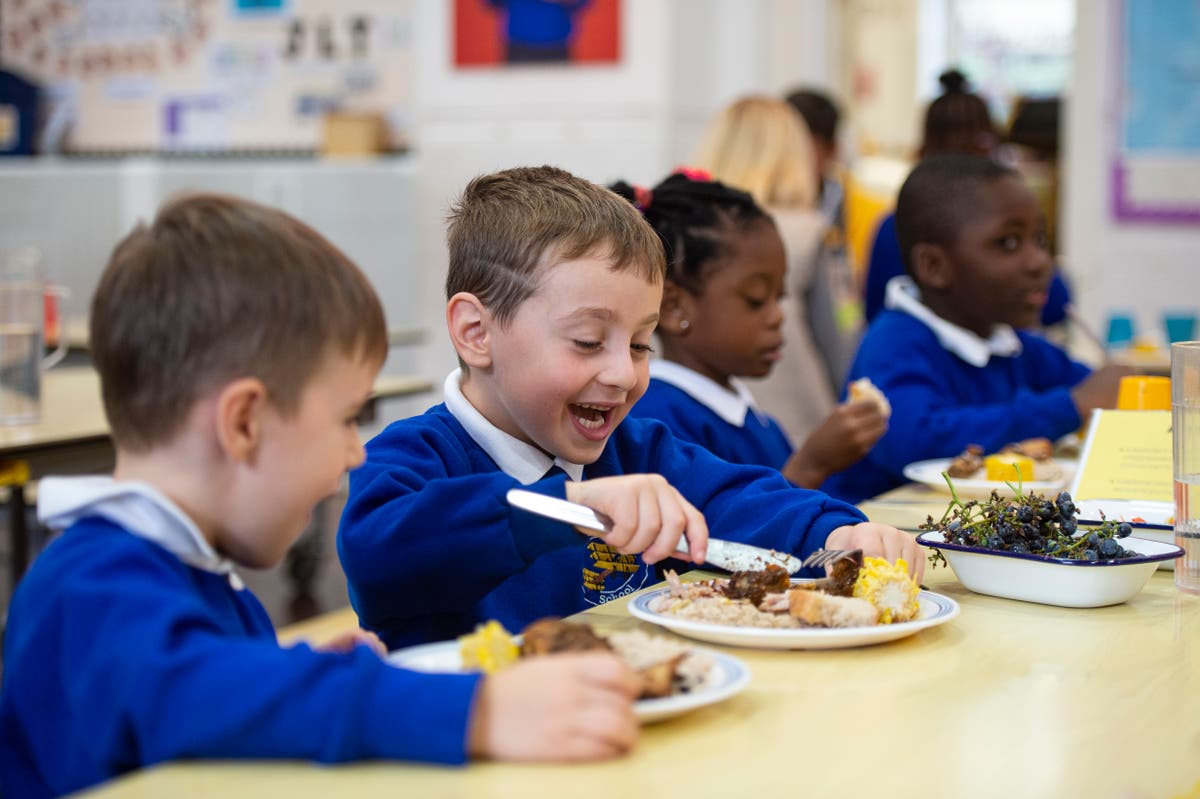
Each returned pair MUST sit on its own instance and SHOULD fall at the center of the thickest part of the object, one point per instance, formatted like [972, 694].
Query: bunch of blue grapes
[1031, 524]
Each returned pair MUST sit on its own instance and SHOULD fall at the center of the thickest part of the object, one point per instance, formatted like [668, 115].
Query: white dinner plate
[1140, 513]
[728, 676]
[935, 609]
[930, 473]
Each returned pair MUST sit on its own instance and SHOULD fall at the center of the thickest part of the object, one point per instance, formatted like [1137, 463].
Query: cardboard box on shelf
[353, 134]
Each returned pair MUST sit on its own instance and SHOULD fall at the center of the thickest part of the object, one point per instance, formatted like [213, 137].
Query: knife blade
[729, 555]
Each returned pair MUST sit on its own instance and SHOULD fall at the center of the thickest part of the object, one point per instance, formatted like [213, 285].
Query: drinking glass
[1185, 436]
[22, 318]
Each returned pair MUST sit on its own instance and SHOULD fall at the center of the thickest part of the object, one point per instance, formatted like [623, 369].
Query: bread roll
[864, 389]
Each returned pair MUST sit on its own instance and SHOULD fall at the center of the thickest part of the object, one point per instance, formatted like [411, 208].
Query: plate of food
[865, 602]
[676, 677]
[1028, 463]
[1035, 549]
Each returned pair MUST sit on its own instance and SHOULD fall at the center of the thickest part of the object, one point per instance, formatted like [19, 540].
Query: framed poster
[1155, 168]
[490, 33]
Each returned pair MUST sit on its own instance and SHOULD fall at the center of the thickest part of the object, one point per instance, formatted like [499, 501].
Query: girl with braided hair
[721, 320]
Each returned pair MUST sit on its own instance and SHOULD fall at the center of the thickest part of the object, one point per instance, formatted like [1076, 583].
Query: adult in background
[761, 145]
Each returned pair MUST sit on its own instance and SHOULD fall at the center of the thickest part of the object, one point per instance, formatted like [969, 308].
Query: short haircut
[507, 226]
[218, 288]
[761, 145]
[819, 111]
[940, 196]
[693, 218]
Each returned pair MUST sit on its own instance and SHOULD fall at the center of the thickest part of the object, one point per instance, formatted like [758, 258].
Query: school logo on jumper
[611, 574]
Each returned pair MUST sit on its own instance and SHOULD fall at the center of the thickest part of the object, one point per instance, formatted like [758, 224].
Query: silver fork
[823, 557]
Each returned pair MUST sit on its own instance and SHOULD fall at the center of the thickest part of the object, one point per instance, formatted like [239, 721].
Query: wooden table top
[71, 411]
[1010, 699]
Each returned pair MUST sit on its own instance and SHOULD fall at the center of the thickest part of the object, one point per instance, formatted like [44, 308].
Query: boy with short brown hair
[553, 294]
[236, 347]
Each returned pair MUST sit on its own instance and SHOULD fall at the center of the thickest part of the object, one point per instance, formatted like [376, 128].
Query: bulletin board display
[208, 75]
[1155, 168]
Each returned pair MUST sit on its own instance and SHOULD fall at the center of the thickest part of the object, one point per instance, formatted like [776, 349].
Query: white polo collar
[730, 405]
[903, 294]
[523, 462]
[137, 507]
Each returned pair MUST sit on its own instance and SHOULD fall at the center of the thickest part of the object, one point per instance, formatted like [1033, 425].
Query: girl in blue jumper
[950, 349]
[721, 319]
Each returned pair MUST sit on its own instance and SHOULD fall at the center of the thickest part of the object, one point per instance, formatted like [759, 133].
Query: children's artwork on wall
[490, 33]
[251, 76]
[1156, 156]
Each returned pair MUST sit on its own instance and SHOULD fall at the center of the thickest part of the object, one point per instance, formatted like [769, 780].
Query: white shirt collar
[523, 462]
[903, 294]
[730, 405]
[138, 508]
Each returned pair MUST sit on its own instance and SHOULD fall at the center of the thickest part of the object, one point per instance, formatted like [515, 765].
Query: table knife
[728, 555]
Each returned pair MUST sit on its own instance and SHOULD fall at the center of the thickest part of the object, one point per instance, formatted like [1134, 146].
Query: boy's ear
[470, 324]
[931, 266]
[675, 310]
[240, 407]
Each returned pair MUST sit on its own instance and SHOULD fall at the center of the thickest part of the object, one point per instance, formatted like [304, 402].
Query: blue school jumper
[119, 655]
[758, 439]
[431, 547]
[941, 403]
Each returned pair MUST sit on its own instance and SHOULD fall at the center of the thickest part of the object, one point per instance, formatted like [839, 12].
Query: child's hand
[1099, 389]
[648, 515]
[881, 541]
[557, 708]
[345, 642]
[840, 441]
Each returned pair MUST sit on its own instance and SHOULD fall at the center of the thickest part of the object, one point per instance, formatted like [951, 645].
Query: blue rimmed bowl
[1053, 581]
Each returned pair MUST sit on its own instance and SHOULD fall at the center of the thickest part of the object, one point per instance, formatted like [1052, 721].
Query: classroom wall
[1139, 267]
[680, 62]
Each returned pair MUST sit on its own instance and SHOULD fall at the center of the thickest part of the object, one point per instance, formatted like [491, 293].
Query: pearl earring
[684, 324]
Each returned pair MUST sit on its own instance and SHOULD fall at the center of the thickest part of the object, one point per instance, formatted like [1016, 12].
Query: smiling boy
[952, 352]
[553, 293]
[235, 348]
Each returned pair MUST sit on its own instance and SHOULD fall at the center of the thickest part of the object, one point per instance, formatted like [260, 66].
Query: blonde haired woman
[761, 145]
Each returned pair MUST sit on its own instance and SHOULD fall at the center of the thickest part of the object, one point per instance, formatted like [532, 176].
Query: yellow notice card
[1127, 455]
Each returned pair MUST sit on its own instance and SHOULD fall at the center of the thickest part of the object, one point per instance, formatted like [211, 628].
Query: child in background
[958, 121]
[761, 146]
[721, 319]
[553, 294]
[949, 351]
[235, 348]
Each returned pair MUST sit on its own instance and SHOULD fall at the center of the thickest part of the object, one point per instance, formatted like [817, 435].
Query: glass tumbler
[1185, 437]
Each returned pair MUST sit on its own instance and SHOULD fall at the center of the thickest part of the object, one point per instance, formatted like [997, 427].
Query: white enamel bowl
[1054, 581]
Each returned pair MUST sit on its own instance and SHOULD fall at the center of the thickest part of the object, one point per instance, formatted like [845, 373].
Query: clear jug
[22, 320]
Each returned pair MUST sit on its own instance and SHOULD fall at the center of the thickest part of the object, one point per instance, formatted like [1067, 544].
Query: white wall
[681, 60]
[1142, 268]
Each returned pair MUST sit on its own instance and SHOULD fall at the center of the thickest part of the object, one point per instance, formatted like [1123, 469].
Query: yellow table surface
[1011, 699]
